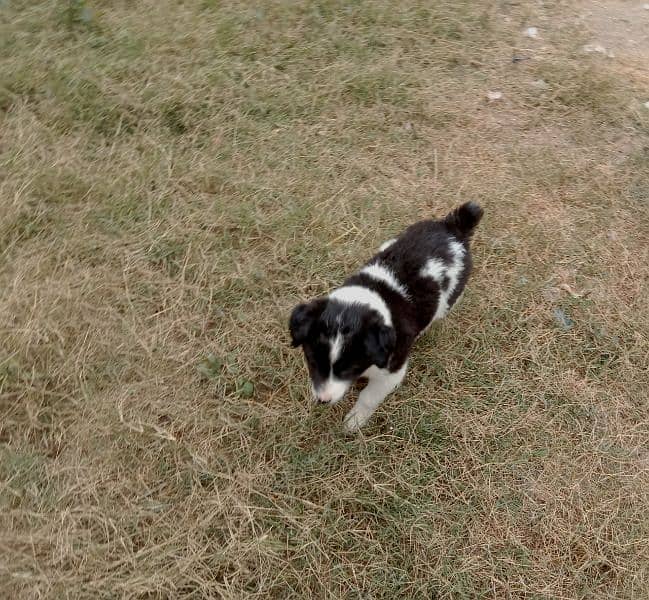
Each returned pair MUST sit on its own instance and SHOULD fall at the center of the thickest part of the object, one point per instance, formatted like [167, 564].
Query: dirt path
[621, 29]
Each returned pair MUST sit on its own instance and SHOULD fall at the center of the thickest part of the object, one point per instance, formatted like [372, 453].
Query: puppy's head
[340, 342]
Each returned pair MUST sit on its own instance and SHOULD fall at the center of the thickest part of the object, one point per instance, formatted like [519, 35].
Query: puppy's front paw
[355, 419]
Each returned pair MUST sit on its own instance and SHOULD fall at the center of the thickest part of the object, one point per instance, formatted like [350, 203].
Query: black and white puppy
[367, 327]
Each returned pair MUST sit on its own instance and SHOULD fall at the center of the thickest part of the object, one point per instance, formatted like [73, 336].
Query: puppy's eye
[345, 330]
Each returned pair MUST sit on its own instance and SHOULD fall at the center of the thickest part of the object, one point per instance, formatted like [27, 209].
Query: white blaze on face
[336, 345]
[333, 389]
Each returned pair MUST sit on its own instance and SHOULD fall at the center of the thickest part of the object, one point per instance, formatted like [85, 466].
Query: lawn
[176, 176]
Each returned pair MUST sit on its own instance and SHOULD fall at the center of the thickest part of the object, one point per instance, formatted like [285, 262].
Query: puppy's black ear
[379, 344]
[302, 318]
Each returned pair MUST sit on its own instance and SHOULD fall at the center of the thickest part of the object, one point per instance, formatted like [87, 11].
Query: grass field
[175, 176]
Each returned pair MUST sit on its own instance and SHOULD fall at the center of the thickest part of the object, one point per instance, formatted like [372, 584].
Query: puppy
[367, 327]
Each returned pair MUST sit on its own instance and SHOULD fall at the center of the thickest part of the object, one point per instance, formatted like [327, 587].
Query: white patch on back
[379, 272]
[386, 245]
[336, 348]
[356, 294]
[434, 268]
[439, 271]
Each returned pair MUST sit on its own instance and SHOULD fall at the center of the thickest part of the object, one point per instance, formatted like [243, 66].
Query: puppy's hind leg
[381, 383]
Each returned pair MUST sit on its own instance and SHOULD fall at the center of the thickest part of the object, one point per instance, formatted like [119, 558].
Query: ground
[175, 176]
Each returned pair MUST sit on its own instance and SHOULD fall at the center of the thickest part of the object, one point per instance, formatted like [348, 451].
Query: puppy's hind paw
[355, 419]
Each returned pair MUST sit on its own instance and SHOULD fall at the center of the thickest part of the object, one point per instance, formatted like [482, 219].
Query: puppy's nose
[324, 398]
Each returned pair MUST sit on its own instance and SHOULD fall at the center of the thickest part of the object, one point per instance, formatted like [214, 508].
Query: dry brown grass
[175, 176]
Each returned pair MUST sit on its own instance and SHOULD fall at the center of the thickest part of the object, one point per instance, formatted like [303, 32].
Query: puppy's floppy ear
[302, 318]
[379, 344]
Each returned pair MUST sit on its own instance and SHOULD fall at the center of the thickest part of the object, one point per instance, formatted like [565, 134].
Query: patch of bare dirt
[622, 29]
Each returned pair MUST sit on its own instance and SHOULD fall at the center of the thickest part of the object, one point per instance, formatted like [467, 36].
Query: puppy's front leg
[381, 383]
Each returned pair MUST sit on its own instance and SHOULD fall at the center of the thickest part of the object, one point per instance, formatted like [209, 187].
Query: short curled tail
[465, 218]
